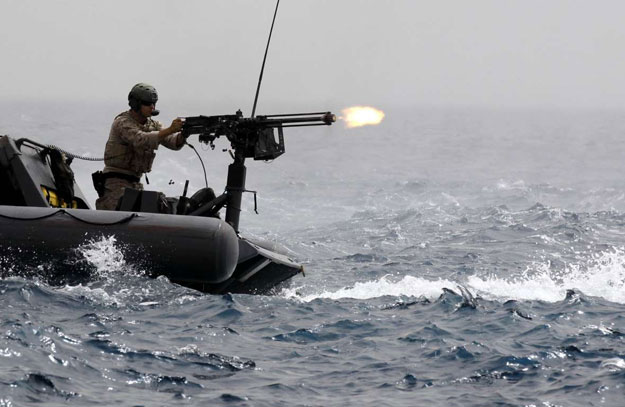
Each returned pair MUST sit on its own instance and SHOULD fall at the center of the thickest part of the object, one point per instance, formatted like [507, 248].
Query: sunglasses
[148, 103]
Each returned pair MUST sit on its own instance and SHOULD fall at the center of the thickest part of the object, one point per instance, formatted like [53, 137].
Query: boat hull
[185, 249]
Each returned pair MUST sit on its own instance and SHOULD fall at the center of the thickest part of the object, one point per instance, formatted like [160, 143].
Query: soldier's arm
[132, 134]
[174, 140]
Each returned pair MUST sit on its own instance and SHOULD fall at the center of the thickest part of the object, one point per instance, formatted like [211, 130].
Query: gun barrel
[227, 124]
[308, 119]
[295, 114]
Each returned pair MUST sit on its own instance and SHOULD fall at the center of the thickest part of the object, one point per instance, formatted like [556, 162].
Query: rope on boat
[21, 141]
[72, 155]
[63, 211]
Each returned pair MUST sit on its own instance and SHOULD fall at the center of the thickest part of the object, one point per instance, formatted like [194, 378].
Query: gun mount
[250, 137]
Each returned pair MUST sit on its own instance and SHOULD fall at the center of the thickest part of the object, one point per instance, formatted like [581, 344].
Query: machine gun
[252, 137]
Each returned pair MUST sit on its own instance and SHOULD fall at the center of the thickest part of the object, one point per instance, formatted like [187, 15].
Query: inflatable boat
[45, 219]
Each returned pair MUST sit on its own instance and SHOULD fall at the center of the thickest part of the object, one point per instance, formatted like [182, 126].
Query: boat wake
[408, 286]
[112, 280]
[603, 275]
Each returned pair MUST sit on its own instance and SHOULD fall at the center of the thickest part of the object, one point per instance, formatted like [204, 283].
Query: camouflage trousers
[113, 191]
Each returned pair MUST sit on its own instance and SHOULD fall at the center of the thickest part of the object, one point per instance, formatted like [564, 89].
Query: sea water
[453, 257]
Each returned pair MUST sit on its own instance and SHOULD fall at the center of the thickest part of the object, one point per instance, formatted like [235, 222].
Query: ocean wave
[408, 286]
[602, 275]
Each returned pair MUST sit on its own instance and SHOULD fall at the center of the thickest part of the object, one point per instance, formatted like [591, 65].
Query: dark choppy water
[454, 257]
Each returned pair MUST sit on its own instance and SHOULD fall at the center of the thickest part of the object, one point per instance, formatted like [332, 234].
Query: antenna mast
[262, 69]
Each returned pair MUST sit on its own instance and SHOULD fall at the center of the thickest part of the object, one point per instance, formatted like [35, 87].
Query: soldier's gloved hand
[176, 125]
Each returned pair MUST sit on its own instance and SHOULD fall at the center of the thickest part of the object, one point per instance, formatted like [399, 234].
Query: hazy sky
[325, 53]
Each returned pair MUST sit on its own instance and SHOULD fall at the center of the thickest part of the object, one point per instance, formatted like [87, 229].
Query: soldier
[132, 145]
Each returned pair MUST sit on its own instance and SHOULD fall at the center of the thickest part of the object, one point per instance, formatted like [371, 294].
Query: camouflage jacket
[131, 146]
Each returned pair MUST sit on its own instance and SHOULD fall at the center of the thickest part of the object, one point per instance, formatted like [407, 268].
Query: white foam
[104, 255]
[97, 295]
[108, 260]
[603, 275]
[614, 364]
[408, 286]
[503, 185]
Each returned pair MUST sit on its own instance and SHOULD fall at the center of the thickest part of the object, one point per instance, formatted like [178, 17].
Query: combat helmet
[142, 93]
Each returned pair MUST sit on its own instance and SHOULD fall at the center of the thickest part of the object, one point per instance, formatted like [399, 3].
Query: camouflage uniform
[130, 150]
